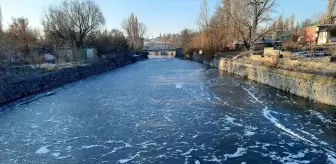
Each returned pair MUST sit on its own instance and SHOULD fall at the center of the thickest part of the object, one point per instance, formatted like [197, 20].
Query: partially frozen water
[167, 111]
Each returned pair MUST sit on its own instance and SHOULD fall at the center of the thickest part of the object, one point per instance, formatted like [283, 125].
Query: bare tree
[204, 18]
[280, 22]
[203, 22]
[306, 23]
[287, 24]
[186, 37]
[220, 29]
[135, 31]
[292, 22]
[20, 31]
[247, 16]
[73, 20]
[331, 11]
[1, 28]
[107, 42]
[165, 38]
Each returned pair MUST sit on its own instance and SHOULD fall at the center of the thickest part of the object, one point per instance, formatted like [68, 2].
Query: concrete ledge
[315, 87]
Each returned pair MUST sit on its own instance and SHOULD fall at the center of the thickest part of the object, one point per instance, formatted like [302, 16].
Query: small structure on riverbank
[321, 34]
[70, 54]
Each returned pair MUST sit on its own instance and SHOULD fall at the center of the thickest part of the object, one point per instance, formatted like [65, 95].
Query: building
[311, 34]
[281, 34]
[321, 34]
[259, 44]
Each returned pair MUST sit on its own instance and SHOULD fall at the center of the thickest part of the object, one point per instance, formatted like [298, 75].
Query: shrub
[289, 46]
[107, 42]
[208, 54]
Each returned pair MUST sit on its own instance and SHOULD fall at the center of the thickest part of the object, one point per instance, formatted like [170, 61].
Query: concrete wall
[13, 89]
[315, 87]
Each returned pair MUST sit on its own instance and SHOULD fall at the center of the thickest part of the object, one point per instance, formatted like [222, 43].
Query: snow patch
[202, 146]
[129, 159]
[238, 153]
[90, 146]
[68, 148]
[179, 85]
[321, 117]
[255, 98]
[214, 159]
[161, 156]
[188, 152]
[64, 157]
[268, 115]
[34, 126]
[168, 119]
[331, 159]
[43, 150]
[146, 144]
[55, 154]
[231, 120]
[249, 133]
[313, 137]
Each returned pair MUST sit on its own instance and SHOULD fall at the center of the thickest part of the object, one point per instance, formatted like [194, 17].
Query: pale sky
[160, 16]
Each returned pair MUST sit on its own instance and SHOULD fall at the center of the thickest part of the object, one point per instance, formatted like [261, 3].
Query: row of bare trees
[247, 21]
[73, 21]
[233, 20]
[71, 24]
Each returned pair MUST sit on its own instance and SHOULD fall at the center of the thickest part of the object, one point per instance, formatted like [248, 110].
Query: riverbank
[315, 87]
[178, 110]
[22, 86]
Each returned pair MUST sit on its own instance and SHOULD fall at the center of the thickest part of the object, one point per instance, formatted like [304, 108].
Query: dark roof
[326, 25]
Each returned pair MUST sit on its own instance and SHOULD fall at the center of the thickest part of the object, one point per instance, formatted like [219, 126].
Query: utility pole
[255, 5]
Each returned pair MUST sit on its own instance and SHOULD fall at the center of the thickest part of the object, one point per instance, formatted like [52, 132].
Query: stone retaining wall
[315, 87]
[20, 87]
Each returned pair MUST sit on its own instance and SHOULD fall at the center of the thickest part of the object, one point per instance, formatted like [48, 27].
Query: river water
[167, 111]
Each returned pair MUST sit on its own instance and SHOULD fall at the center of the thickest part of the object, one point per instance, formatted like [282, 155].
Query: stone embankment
[22, 86]
[315, 87]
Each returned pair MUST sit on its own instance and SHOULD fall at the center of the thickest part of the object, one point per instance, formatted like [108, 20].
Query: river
[167, 111]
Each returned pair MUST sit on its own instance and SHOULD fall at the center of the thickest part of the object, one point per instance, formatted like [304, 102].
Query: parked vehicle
[319, 53]
[305, 53]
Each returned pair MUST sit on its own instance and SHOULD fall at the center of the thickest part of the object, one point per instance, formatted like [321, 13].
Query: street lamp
[255, 4]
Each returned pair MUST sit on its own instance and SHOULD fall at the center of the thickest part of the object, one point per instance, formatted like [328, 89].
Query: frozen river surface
[167, 111]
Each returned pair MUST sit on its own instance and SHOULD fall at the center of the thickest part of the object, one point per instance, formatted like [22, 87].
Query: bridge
[166, 111]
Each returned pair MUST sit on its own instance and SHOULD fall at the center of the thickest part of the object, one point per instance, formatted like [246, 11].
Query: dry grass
[310, 65]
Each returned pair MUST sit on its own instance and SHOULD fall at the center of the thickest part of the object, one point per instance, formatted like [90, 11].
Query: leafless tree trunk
[203, 22]
[204, 18]
[1, 28]
[135, 31]
[19, 29]
[292, 22]
[73, 20]
[331, 11]
[248, 15]
[280, 22]
[186, 37]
